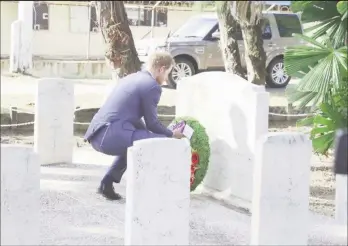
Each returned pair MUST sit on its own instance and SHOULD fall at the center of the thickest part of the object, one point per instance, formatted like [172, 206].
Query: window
[40, 16]
[135, 16]
[266, 29]
[288, 24]
[93, 23]
[140, 16]
[196, 27]
[78, 19]
[161, 17]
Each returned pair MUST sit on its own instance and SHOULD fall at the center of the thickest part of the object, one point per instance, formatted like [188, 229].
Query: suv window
[266, 30]
[288, 24]
[196, 27]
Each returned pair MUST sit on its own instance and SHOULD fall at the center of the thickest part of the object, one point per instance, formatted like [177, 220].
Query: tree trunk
[249, 15]
[228, 40]
[120, 49]
[255, 56]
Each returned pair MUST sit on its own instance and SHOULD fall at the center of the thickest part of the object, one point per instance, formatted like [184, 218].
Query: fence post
[20, 196]
[158, 193]
[54, 117]
[280, 206]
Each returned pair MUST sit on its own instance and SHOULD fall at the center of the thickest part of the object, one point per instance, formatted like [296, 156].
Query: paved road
[20, 91]
[72, 214]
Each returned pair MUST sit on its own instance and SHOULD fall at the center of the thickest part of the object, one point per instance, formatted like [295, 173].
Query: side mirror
[216, 36]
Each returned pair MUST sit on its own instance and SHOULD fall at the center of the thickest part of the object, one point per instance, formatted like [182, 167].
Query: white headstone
[158, 192]
[341, 199]
[280, 208]
[20, 196]
[54, 117]
[234, 113]
[25, 15]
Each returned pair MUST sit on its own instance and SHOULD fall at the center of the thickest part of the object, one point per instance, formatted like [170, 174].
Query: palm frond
[322, 69]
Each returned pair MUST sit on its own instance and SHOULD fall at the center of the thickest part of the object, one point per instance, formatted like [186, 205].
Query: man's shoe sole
[99, 191]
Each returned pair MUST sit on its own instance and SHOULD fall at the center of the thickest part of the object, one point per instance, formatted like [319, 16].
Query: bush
[200, 145]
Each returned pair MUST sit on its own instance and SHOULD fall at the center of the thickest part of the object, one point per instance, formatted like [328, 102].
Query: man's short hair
[160, 59]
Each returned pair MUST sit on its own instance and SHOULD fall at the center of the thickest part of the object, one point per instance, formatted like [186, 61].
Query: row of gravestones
[246, 164]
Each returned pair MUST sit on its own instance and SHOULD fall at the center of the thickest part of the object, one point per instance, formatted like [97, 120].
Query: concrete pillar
[25, 15]
[15, 46]
[280, 209]
[54, 117]
[158, 192]
[20, 196]
[341, 199]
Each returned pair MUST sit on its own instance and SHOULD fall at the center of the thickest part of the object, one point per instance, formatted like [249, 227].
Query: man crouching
[118, 123]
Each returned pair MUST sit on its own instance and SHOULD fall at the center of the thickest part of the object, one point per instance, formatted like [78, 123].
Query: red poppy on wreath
[194, 163]
[194, 158]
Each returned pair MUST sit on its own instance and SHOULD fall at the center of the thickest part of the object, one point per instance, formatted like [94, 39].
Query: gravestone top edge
[285, 138]
[222, 79]
[159, 142]
[18, 146]
[54, 79]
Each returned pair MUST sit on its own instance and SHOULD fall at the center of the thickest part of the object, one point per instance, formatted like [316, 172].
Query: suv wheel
[276, 76]
[183, 68]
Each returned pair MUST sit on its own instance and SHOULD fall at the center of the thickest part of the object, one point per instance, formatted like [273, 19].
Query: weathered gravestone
[20, 196]
[158, 192]
[280, 209]
[54, 121]
[234, 113]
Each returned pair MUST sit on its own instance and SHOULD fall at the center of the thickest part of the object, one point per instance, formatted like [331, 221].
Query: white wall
[59, 41]
[8, 15]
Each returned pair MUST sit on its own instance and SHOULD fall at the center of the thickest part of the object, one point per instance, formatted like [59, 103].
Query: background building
[68, 29]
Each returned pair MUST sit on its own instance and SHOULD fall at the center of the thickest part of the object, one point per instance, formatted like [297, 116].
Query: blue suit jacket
[136, 96]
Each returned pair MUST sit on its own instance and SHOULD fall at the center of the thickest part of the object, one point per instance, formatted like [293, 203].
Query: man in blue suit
[118, 122]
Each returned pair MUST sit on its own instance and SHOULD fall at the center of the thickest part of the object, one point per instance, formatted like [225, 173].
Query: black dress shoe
[108, 192]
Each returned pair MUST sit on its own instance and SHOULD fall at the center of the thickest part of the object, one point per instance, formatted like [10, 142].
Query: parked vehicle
[195, 46]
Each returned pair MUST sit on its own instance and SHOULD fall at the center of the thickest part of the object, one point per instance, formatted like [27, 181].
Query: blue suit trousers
[119, 165]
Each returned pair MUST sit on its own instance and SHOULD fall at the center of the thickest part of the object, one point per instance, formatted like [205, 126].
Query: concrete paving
[73, 214]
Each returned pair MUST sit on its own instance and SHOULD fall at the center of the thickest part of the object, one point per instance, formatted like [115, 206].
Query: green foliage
[314, 10]
[322, 67]
[330, 117]
[342, 7]
[199, 142]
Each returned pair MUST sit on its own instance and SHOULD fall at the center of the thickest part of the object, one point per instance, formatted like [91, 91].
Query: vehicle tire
[183, 68]
[276, 76]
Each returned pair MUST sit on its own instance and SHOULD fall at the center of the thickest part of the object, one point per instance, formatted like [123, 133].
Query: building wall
[59, 41]
[8, 15]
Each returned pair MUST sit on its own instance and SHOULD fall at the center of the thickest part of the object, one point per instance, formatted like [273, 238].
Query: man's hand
[178, 134]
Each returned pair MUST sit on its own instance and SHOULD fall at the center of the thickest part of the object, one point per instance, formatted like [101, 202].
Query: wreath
[200, 150]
